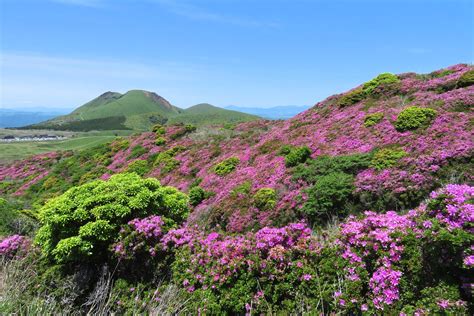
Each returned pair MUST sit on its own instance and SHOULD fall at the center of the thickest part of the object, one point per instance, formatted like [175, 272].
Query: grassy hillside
[76, 141]
[206, 114]
[136, 109]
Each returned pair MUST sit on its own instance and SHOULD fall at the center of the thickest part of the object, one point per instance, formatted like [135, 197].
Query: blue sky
[62, 53]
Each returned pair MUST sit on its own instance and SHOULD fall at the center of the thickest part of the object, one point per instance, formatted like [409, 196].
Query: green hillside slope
[206, 114]
[136, 109]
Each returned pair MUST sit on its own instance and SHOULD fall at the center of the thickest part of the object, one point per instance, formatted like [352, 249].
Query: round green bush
[466, 79]
[386, 158]
[328, 197]
[159, 141]
[413, 118]
[226, 166]
[382, 80]
[265, 198]
[81, 224]
[158, 129]
[351, 97]
[373, 119]
[197, 195]
[297, 155]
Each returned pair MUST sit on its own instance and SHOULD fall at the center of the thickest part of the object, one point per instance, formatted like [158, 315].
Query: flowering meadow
[362, 205]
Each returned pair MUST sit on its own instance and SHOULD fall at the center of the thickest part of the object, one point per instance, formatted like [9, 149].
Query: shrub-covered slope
[400, 140]
[264, 202]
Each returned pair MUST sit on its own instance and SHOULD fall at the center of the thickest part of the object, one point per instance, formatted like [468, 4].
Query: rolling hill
[207, 114]
[137, 110]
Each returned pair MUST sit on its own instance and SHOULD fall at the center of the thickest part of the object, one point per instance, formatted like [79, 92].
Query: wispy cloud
[54, 81]
[195, 12]
[84, 3]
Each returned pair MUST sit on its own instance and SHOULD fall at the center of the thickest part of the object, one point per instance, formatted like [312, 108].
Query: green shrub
[81, 224]
[351, 97]
[140, 167]
[226, 166]
[413, 118]
[466, 79]
[265, 199]
[158, 129]
[242, 189]
[166, 159]
[383, 81]
[137, 151]
[159, 141]
[386, 158]
[13, 220]
[119, 143]
[197, 195]
[373, 119]
[324, 165]
[297, 155]
[328, 197]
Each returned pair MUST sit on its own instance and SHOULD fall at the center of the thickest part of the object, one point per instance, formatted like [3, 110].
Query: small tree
[81, 224]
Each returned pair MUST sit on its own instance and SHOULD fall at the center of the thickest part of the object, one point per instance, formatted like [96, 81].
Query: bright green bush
[197, 195]
[328, 197]
[466, 79]
[297, 155]
[140, 167]
[384, 79]
[265, 198]
[159, 141]
[226, 166]
[413, 118]
[166, 159]
[386, 158]
[373, 119]
[158, 129]
[81, 224]
[137, 151]
[351, 97]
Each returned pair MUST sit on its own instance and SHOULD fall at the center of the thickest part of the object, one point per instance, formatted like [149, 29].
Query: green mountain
[206, 114]
[138, 110]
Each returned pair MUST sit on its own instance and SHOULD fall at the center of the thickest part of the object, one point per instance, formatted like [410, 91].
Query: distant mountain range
[273, 113]
[18, 118]
[138, 110]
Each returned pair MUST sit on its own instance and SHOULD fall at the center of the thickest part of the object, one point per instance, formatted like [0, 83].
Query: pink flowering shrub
[13, 246]
[273, 266]
[393, 260]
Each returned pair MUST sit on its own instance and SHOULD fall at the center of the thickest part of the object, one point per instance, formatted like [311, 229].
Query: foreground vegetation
[361, 205]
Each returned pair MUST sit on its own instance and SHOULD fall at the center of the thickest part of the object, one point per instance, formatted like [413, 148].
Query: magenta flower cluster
[15, 245]
[140, 235]
[455, 211]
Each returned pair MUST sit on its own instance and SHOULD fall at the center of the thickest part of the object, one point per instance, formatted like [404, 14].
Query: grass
[21, 150]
